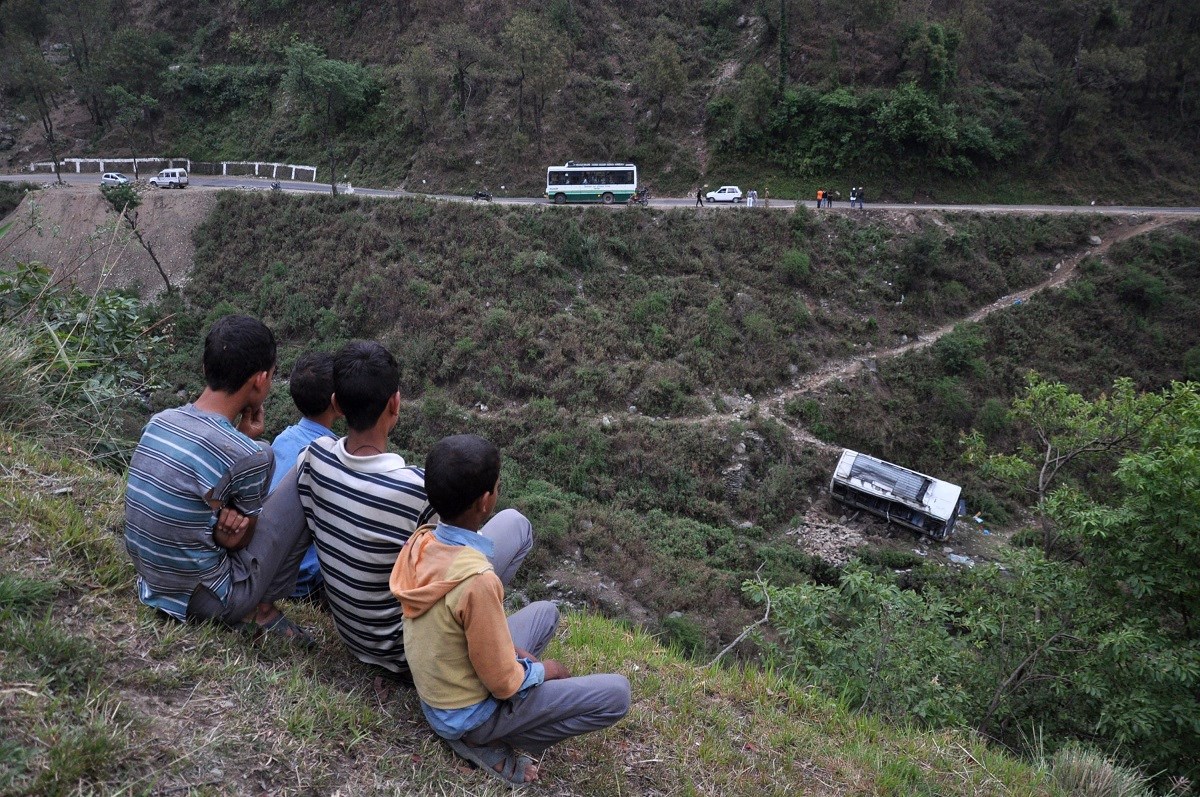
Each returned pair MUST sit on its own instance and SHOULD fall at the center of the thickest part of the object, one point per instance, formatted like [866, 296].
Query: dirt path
[834, 370]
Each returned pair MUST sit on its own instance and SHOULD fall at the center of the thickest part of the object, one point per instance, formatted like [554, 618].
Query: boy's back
[361, 510]
[182, 455]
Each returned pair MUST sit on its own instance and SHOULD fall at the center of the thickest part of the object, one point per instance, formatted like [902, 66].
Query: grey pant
[265, 570]
[511, 534]
[554, 710]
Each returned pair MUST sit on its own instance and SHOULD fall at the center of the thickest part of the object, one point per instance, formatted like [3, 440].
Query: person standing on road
[699, 198]
[820, 197]
[766, 197]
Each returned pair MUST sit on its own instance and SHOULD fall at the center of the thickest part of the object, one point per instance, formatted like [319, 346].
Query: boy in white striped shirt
[362, 503]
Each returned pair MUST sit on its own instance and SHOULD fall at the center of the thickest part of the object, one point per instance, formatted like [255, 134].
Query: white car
[113, 178]
[726, 193]
[170, 178]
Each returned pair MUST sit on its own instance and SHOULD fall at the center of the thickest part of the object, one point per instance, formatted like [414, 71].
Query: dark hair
[365, 376]
[458, 470]
[311, 382]
[236, 348]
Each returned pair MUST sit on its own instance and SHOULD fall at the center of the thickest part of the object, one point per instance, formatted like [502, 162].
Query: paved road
[257, 184]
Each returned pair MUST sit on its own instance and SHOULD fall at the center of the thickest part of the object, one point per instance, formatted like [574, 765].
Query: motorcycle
[275, 186]
[484, 194]
[641, 197]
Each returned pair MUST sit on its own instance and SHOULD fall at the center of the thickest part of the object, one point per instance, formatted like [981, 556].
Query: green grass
[97, 695]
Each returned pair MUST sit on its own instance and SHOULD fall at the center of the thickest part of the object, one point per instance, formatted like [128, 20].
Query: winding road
[261, 184]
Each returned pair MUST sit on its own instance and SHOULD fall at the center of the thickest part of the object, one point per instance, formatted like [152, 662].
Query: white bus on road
[591, 182]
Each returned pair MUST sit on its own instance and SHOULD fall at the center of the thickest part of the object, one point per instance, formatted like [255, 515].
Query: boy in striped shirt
[205, 544]
[363, 502]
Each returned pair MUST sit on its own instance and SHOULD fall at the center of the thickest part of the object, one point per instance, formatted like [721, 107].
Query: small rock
[740, 448]
[674, 615]
[1094, 240]
[632, 409]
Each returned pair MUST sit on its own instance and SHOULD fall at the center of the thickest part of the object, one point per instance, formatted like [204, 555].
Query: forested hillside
[1066, 100]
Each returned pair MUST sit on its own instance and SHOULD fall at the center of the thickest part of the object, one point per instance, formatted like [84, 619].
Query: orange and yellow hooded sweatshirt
[456, 636]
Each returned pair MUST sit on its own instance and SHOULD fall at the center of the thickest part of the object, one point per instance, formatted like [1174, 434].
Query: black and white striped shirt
[361, 511]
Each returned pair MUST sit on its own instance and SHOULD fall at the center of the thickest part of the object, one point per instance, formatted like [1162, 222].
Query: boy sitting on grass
[481, 685]
[311, 387]
[204, 544]
[362, 502]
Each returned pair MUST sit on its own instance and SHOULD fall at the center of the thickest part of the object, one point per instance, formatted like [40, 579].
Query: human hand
[232, 529]
[252, 421]
[522, 653]
[555, 671]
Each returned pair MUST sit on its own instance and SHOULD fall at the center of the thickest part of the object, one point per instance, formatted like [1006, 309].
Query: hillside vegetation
[664, 388]
[99, 696]
[1066, 100]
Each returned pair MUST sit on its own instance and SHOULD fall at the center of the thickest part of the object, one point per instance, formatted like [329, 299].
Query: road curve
[259, 184]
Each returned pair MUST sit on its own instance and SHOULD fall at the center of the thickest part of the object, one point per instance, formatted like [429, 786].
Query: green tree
[862, 17]
[539, 66]
[1144, 539]
[132, 113]
[1065, 435]
[419, 79]
[87, 25]
[465, 53]
[333, 93]
[27, 74]
[662, 76]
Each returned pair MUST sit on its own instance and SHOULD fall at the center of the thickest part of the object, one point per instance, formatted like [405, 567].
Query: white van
[170, 178]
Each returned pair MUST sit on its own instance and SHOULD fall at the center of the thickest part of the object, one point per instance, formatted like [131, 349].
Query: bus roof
[574, 165]
[865, 472]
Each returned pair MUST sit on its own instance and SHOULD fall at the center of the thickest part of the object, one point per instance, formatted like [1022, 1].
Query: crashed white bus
[916, 501]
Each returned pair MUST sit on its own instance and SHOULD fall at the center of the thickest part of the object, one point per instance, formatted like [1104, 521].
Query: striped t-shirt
[361, 511]
[181, 460]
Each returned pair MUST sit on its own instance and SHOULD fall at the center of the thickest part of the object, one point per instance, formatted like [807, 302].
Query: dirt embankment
[75, 232]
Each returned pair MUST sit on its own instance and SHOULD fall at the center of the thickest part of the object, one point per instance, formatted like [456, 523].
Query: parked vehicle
[170, 178]
[726, 193]
[922, 503]
[483, 194]
[113, 178]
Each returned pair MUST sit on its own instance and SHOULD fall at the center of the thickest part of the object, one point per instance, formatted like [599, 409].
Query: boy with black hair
[203, 542]
[362, 503]
[311, 387]
[481, 685]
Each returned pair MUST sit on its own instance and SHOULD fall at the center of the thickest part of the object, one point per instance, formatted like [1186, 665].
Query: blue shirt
[290, 442]
[452, 723]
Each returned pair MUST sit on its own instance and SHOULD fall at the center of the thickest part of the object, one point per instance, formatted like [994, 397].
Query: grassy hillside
[1051, 101]
[610, 355]
[1132, 313]
[99, 696]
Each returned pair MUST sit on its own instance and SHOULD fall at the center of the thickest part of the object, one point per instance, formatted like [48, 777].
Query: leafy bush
[74, 362]
[794, 267]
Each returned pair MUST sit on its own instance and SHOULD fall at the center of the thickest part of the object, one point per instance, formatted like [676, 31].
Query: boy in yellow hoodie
[477, 672]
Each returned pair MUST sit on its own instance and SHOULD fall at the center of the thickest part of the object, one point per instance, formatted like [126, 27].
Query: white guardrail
[276, 171]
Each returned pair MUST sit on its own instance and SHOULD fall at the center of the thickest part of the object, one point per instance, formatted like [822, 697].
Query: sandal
[515, 764]
[283, 627]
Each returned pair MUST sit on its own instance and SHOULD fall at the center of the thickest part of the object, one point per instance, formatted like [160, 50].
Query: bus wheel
[607, 198]
[560, 199]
